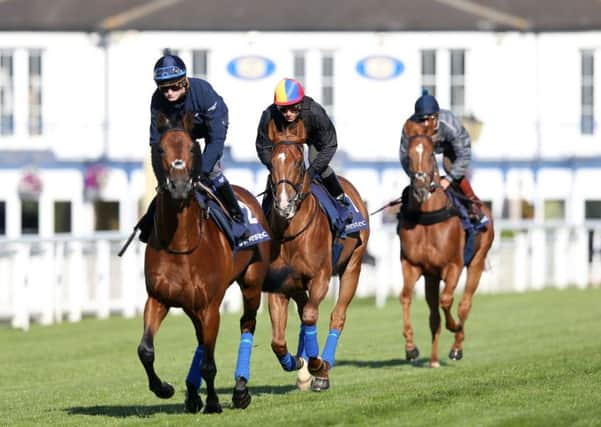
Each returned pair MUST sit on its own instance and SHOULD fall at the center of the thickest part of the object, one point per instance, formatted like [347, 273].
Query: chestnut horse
[436, 250]
[189, 263]
[302, 241]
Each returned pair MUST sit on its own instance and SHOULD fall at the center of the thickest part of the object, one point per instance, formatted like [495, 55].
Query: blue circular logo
[251, 67]
[380, 67]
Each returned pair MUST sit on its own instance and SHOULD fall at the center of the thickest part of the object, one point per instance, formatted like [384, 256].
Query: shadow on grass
[422, 362]
[145, 411]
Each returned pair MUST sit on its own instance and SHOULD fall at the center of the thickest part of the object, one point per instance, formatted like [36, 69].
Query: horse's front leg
[278, 312]
[251, 295]
[432, 298]
[154, 313]
[410, 275]
[450, 276]
[193, 402]
[318, 288]
[210, 319]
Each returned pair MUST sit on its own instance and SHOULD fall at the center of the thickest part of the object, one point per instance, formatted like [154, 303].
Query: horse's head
[422, 163]
[288, 176]
[176, 157]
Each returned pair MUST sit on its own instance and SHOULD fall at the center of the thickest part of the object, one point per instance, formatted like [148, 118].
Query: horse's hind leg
[251, 295]
[410, 276]
[154, 313]
[450, 277]
[432, 298]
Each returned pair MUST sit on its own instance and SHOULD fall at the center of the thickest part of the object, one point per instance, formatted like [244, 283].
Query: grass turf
[530, 359]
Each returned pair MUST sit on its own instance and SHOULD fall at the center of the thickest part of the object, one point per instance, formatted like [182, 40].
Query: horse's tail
[277, 279]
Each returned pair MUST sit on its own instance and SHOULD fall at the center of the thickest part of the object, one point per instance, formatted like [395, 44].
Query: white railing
[65, 278]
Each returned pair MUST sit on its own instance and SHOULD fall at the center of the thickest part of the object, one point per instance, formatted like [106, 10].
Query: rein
[288, 238]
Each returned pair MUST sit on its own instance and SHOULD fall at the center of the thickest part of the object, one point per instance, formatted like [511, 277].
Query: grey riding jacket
[450, 138]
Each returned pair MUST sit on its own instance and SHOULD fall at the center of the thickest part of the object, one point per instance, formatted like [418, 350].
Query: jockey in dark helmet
[291, 106]
[177, 94]
[451, 139]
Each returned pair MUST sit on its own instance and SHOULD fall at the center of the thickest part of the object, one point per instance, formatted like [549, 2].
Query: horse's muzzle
[180, 187]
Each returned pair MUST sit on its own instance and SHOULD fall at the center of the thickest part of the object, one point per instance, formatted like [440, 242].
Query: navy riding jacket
[210, 118]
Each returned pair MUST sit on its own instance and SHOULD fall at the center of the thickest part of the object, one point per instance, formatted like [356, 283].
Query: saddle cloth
[232, 229]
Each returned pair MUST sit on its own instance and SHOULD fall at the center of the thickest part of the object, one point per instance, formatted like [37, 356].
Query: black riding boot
[226, 194]
[145, 223]
[335, 189]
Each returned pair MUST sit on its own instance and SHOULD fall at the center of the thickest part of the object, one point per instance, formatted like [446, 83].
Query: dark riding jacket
[451, 139]
[210, 118]
[320, 134]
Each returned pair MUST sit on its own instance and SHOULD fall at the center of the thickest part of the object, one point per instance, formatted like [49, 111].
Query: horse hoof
[193, 404]
[320, 384]
[412, 355]
[303, 377]
[213, 408]
[434, 364]
[164, 391]
[241, 397]
[456, 354]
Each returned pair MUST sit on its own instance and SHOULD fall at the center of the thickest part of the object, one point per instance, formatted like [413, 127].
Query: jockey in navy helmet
[451, 139]
[290, 107]
[177, 94]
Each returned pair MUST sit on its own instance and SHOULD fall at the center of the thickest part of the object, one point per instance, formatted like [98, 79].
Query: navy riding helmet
[425, 105]
[169, 68]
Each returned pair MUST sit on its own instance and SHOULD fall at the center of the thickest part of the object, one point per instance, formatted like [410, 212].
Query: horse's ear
[188, 122]
[412, 128]
[163, 122]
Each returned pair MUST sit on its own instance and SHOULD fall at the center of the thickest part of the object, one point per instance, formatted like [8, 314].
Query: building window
[62, 217]
[458, 82]
[587, 101]
[555, 209]
[327, 83]
[30, 217]
[2, 218]
[592, 209]
[6, 94]
[299, 70]
[106, 216]
[199, 63]
[429, 71]
[35, 92]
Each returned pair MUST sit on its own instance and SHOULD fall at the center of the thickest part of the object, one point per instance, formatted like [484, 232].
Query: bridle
[299, 195]
[423, 183]
[168, 185]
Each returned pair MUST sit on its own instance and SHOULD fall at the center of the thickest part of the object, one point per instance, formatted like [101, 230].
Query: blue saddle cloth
[232, 229]
[471, 229]
[343, 220]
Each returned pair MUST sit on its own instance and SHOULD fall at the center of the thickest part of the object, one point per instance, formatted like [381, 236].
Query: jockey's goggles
[174, 86]
[295, 108]
[425, 117]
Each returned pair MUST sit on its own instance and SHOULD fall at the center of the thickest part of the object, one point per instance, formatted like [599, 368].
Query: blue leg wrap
[329, 351]
[194, 372]
[311, 344]
[301, 343]
[287, 362]
[244, 350]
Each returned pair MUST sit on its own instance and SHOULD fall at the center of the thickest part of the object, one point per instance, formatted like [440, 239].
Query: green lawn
[529, 360]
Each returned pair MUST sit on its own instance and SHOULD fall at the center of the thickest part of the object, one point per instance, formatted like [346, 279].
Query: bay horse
[302, 243]
[189, 263]
[435, 248]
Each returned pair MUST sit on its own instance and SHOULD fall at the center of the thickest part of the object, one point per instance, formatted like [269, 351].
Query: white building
[76, 82]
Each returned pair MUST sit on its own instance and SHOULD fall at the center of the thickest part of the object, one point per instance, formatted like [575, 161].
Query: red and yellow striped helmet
[288, 92]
